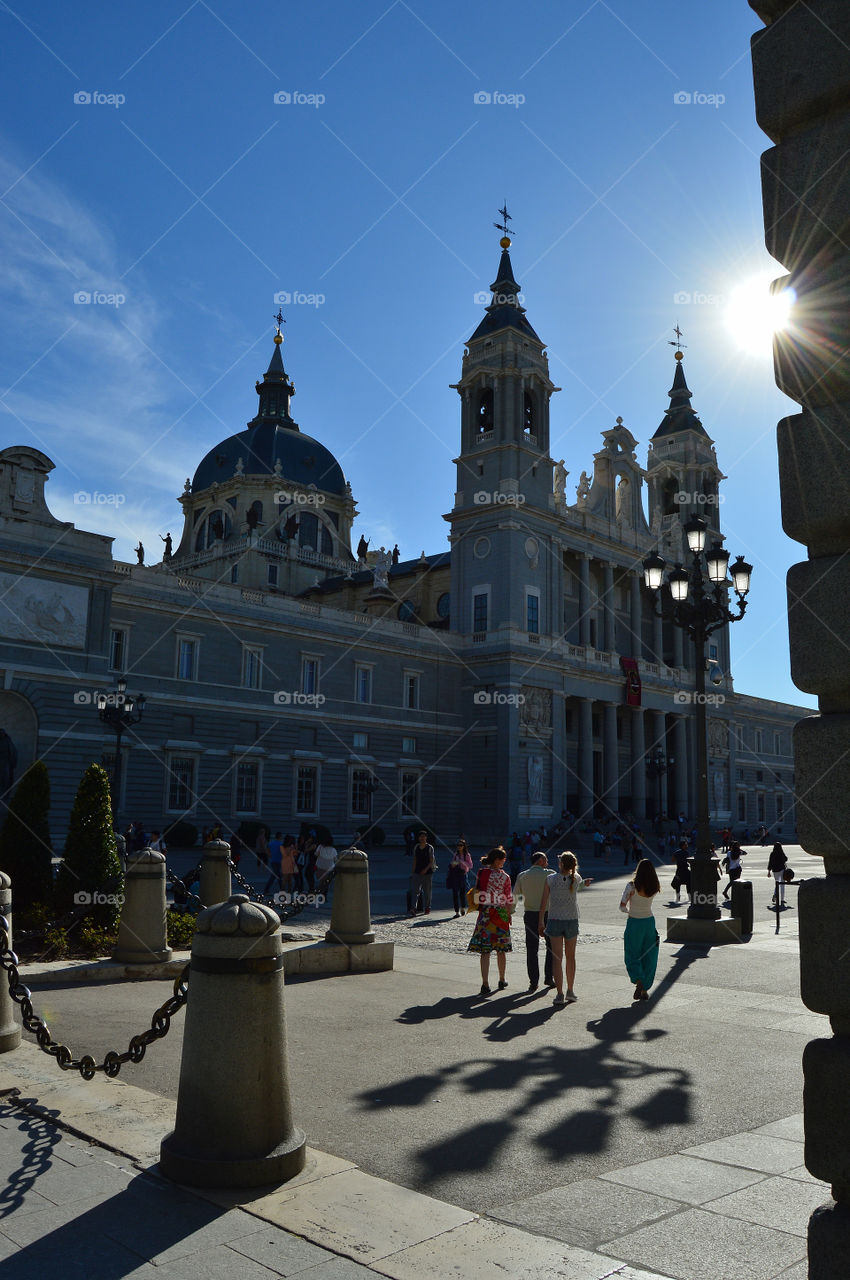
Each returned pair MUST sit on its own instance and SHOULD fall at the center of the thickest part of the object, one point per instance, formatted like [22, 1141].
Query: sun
[753, 314]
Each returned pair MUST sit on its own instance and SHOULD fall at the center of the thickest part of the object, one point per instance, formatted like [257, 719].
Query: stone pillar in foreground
[234, 1114]
[215, 873]
[142, 936]
[10, 1031]
[351, 921]
[801, 68]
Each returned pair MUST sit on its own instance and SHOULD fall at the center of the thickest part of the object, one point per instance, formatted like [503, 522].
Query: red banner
[633, 684]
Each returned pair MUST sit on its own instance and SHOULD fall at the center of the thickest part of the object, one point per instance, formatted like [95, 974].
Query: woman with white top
[559, 899]
[640, 941]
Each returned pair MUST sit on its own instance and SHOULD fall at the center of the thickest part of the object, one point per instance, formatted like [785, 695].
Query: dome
[302, 459]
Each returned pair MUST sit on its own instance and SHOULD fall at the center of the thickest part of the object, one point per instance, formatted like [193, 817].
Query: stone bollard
[234, 1115]
[351, 920]
[142, 936]
[215, 873]
[10, 1031]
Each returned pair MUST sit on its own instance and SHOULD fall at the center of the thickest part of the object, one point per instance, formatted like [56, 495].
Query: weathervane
[278, 337]
[678, 343]
[506, 218]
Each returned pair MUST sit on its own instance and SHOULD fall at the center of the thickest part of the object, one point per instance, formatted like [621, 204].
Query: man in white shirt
[529, 886]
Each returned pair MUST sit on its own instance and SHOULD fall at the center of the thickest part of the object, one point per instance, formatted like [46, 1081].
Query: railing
[484, 437]
[478, 637]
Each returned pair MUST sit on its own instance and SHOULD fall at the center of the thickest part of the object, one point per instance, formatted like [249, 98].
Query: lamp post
[697, 602]
[119, 710]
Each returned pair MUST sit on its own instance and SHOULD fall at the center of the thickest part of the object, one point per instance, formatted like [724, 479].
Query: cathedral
[481, 689]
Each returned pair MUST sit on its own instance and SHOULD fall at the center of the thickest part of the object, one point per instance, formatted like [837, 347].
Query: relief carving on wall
[535, 712]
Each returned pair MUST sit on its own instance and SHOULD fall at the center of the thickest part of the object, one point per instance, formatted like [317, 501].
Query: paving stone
[587, 1212]
[24, 1226]
[63, 1183]
[340, 1269]
[751, 1151]
[802, 1174]
[699, 1245]
[684, 1178]
[218, 1263]
[791, 1128]
[782, 1203]
[799, 1271]
[318, 1165]
[176, 1225]
[284, 1254]
[7, 1247]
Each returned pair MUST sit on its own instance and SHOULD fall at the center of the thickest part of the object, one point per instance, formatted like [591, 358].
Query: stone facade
[481, 690]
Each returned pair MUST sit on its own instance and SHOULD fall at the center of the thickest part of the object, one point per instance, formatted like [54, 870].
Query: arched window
[485, 410]
[215, 528]
[327, 545]
[308, 530]
[669, 490]
[528, 423]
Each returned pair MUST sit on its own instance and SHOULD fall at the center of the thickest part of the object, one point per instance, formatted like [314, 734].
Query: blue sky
[184, 196]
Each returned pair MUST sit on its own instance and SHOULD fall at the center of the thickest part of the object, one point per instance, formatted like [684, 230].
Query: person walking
[682, 878]
[457, 876]
[776, 864]
[288, 865]
[493, 925]
[640, 941]
[732, 863]
[421, 874]
[560, 900]
[326, 859]
[275, 861]
[261, 849]
[529, 887]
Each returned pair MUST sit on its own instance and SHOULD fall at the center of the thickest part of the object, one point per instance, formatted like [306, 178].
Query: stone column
[611, 762]
[584, 599]
[234, 1115]
[351, 920]
[142, 934]
[680, 753]
[638, 764]
[800, 65]
[585, 758]
[678, 647]
[636, 615]
[659, 742]
[10, 1031]
[609, 638]
[215, 873]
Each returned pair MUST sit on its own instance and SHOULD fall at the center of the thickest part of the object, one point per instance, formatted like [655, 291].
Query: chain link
[87, 1067]
[285, 913]
[173, 878]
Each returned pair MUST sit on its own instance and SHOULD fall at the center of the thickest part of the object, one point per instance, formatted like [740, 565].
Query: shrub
[181, 834]
[181, 928]
[91, 864]
[56, 942]
[25, 848]
[95, 941]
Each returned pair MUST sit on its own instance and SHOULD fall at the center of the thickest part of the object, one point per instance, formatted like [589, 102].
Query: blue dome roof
[260, 445]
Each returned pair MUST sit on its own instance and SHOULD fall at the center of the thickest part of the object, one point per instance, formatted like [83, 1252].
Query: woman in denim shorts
[559, 899]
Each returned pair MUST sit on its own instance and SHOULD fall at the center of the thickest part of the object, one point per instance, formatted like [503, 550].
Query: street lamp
[119, 710]
[697, 602]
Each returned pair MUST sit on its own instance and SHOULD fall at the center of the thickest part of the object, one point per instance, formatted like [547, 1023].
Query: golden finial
[278, 337]
[502, 226]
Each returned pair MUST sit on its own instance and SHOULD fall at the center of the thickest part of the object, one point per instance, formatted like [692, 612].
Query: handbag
[471, 903]
[788, 875]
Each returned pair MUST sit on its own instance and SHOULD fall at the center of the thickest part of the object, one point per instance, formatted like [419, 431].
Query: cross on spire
[506, 218]
[279, 318]
[678, 343]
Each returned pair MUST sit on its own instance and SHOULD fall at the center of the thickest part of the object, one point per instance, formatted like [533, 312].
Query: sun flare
[754, 314]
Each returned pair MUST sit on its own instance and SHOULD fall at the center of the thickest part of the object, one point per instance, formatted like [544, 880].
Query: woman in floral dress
[493, 926]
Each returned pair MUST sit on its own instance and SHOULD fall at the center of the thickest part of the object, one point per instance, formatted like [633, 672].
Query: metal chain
[285, 913]
[87, 1067]
[173, 878]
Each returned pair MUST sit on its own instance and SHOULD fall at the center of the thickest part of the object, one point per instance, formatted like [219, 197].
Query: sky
[170, 170]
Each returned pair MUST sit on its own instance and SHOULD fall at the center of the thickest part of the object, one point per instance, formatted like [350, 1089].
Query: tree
[91, 869]
[25, 848]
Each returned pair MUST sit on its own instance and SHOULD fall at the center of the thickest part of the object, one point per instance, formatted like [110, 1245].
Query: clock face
[406, 610]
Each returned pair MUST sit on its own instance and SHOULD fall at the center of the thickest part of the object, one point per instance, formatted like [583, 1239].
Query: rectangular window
[758, 741]
[181, 783]
[411, 691]
[272, 575]
[361, 741]
[712, 651]
[760, 806]
[532, 614]
[480, 604]
[117, 649]
[234, 573]
[247, 786]
[742, 806]
[187, 651]
[307, 788]
[780, 808]
[409, 795]
[361, 793]
[777, 744]
[363, 684]
[252, 667]
[408, 746]
[309, 675]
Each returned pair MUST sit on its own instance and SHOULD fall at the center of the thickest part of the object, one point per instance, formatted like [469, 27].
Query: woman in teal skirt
[494, 899]
[641, 938]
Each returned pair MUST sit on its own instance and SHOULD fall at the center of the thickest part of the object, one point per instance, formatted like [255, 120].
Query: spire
[276, 391]
[679, 416]
[505, 310]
